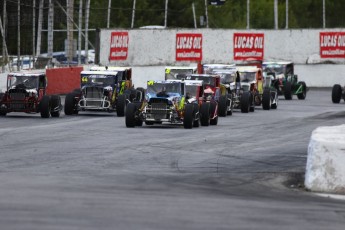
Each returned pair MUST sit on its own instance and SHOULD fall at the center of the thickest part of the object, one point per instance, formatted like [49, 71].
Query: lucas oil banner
[118, 46]
[332, 44]
[188, 47]
[248, 46]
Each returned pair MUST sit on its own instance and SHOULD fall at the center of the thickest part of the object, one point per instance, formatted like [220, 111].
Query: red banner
[332, 44]
[248, 46]
[188, 47]
[118, 46]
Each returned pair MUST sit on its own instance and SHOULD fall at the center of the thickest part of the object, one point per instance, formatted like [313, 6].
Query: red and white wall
[152, 47]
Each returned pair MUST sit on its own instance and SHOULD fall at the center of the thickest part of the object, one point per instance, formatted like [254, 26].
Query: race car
[262, 93]
[107, 89]
[26, 92]
[212, 83]
[168, 101]
[172, 71]
[284, 79]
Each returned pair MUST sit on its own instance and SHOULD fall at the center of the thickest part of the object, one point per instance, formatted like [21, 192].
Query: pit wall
[147, 47]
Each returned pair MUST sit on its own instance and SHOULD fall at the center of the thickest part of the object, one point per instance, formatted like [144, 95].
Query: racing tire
[130, 115]
[205, 114]
[303, 94]
[336, 93]
[231, 105]
[288, 91]
[188, 119]
[214, 114]
[45, 107]
[222, 111]
[69, 108]
[140, 95]
[55, 102]
[266, 99]
[245, 102]
[121, 105]
[196, 122]
[252, 102]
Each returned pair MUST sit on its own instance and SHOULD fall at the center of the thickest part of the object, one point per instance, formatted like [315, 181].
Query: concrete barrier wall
[157, 46]
[325, 171]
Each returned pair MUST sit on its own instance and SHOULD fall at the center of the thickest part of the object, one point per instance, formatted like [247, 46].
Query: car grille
[17, 96]
[159, 110]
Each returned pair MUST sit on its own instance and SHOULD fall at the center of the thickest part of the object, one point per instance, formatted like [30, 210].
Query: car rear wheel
[302, 95]
[288, 90]
[205, 114]
[130, 115]
[55, 102]
[121, 105]
[245, 102]
[266, 99]
[69, 104]
[45, 107]
[336, 93]
[222, 106]
[188, 116]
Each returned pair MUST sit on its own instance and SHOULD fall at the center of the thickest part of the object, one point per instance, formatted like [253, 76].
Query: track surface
[91, 172]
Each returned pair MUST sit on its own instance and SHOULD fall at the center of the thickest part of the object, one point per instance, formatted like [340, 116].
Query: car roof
[109, 68]
[247, 69]
[28, 73]
[277, 62]
[181, 67]
[99, 72]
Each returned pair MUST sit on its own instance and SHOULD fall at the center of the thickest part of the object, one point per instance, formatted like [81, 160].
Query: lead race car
[107, 89]
[168, 101]
[26, 92]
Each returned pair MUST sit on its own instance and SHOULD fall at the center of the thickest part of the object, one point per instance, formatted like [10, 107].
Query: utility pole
[79, 30]
[18, 38]
[50, 29]
[39, 29]
[275, 14]
[193, 8]
[248, 13]
[87, 9]
[133, 14]
[108, 18]
[324, 13]
[3, 32]
[70, 9]
[206, 13]
[287, 14]
[33, 28]
[166, 14]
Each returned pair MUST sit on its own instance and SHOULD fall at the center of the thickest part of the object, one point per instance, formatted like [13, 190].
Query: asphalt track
[91, 172]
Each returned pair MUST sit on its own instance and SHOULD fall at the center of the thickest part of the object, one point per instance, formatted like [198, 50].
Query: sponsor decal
[188, 47]
[332, 44]
[248, 46]
[118, 46]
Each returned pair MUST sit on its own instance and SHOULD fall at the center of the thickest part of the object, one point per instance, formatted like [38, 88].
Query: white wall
[157, 46]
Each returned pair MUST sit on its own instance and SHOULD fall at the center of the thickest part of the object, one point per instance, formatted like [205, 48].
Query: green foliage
[231, 15]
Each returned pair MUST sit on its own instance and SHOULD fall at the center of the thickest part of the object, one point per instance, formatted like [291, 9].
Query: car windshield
[227, 78]
[191, 91]
[172, 73]
[277, 69]
[97, 79]
[247, 76]
[154, 87]
[207, 80]
[28, 82]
